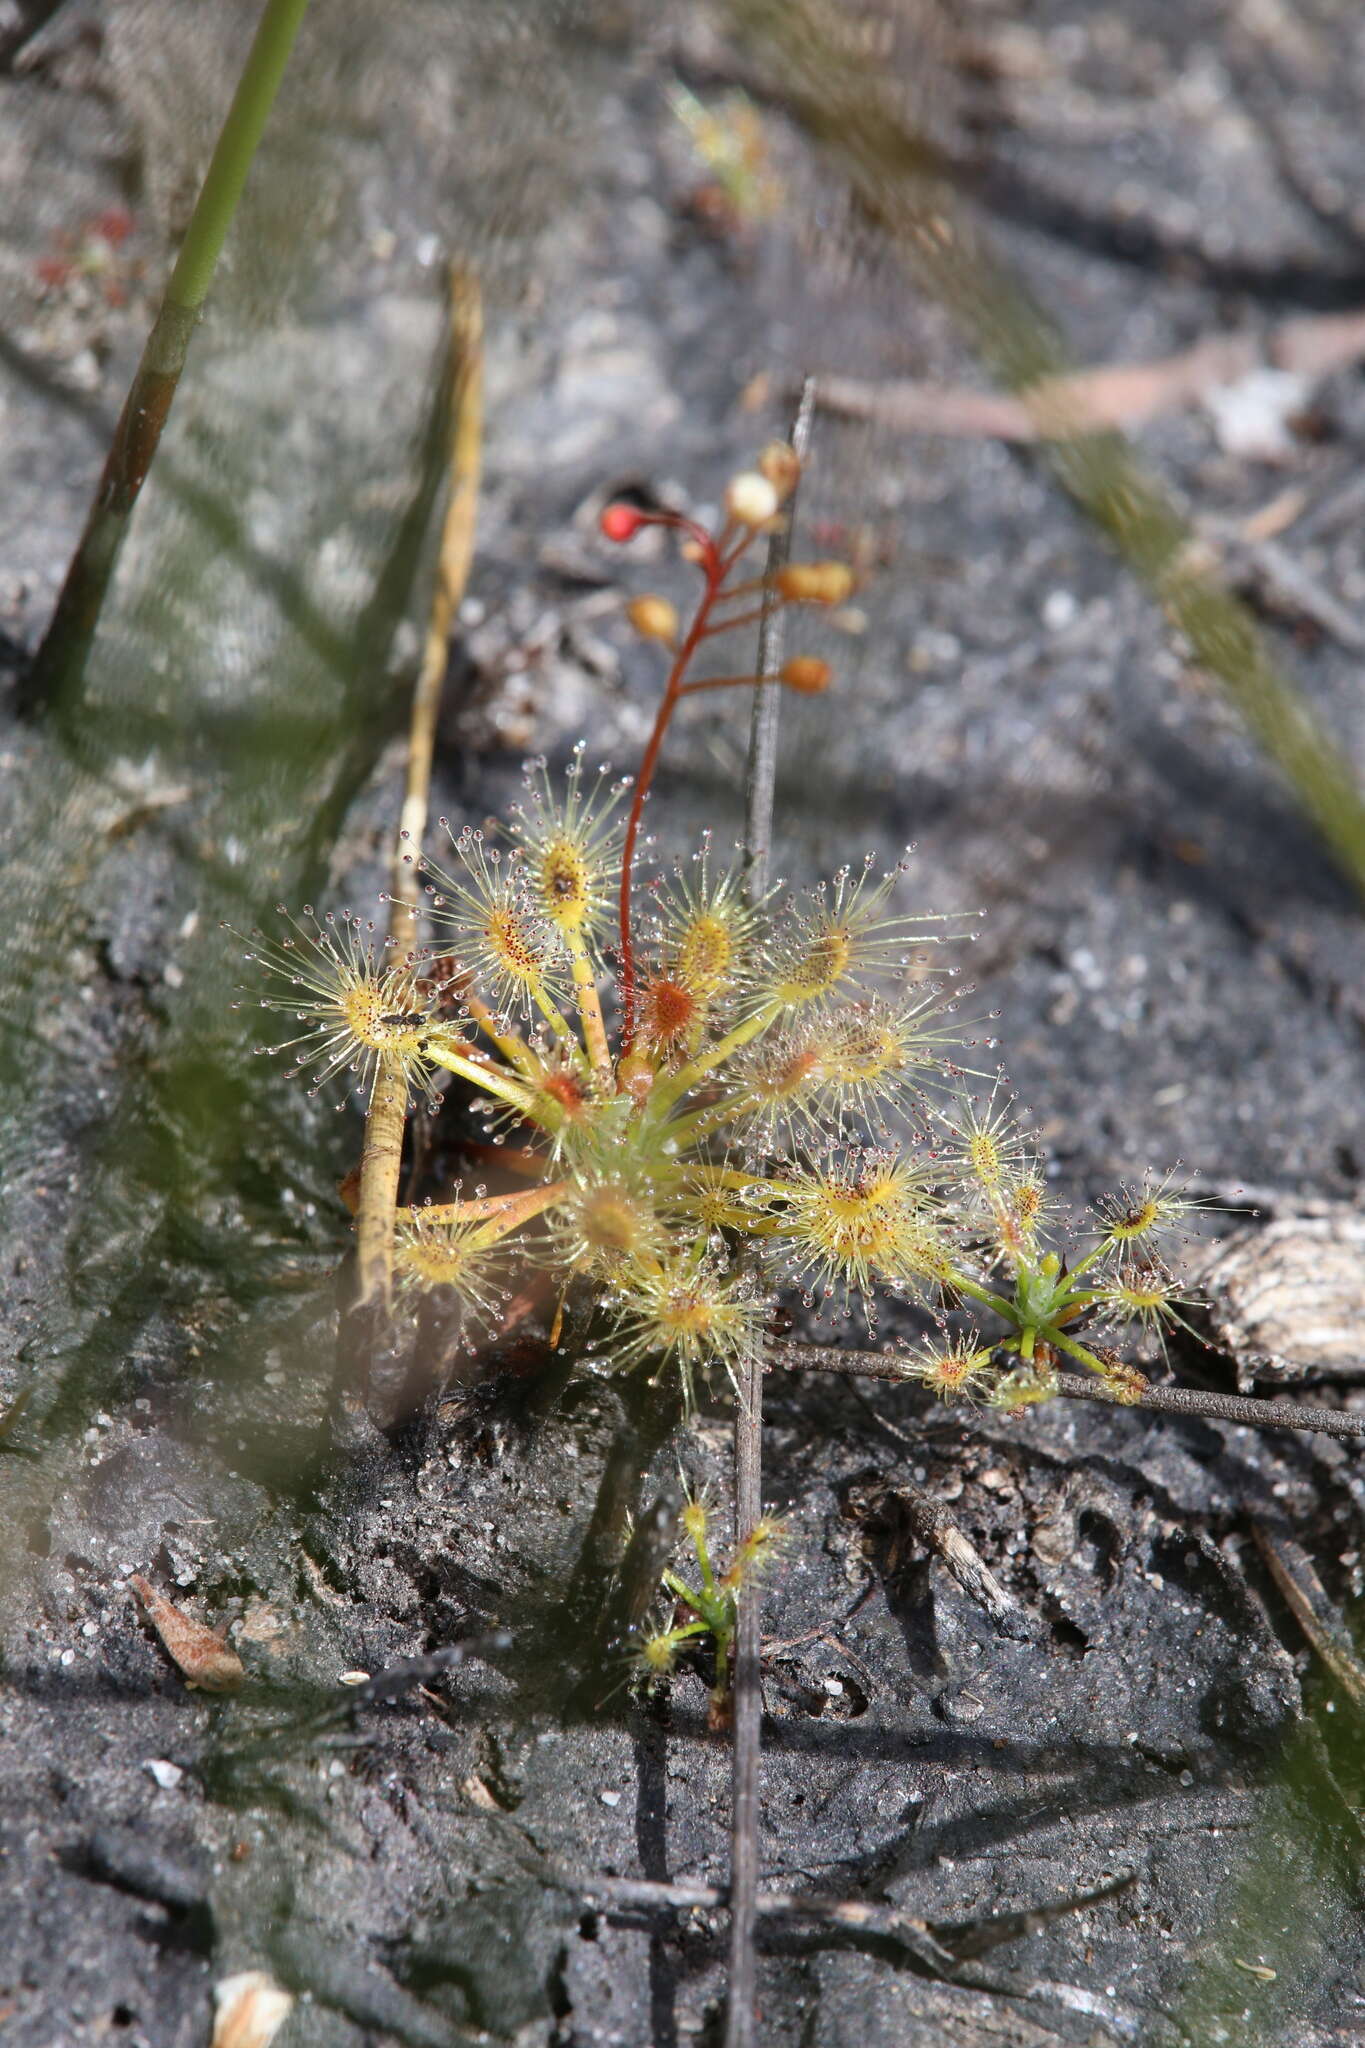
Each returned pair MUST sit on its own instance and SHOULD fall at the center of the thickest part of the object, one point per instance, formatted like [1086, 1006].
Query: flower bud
[782, 466]
[816, 582]
[653, 618]
[806, 674]
[750, 498]
[621, 522]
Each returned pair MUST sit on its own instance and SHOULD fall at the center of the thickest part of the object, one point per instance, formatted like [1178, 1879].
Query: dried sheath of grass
[381, 1160]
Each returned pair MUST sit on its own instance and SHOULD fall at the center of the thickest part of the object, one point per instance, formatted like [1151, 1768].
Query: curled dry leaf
[200, 1652]
[250, 2010]
[1287, 1299]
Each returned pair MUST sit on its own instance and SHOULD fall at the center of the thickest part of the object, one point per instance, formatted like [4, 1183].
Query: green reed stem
[57, 678]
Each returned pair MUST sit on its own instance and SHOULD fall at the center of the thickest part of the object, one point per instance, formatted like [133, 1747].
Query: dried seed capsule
[806, 674]
[782, 466]
[816, 582]
[750, 498]
[653, 618]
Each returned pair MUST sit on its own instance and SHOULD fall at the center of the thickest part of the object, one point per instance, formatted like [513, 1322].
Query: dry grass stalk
[381, 1160]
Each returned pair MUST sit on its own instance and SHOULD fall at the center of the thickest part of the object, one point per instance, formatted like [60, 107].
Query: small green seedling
[708, 1609]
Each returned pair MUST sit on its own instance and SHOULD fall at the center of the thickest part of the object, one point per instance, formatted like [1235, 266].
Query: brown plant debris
[200, 1653]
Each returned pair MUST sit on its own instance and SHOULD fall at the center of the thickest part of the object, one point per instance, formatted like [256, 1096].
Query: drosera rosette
[655, 1180]
[706, 1109]
[1037, 1288]
[707, 1099]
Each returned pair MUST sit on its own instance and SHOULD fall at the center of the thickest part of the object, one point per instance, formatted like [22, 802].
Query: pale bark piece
[250, 2009]
[1287, 1300]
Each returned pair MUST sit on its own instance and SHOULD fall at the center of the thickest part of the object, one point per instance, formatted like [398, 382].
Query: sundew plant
[703, 1100]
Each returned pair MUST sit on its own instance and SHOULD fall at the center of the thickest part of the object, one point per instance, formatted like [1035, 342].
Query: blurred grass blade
[56, 680]
[836, 94]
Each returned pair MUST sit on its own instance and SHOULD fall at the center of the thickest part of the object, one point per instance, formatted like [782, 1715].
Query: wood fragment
[249, 2010]
[1305, 1596]
[962, 1561]
[200, 1653]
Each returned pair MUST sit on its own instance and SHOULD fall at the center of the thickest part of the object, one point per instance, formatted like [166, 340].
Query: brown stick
[452, 576]
[1109, 395]
[883, 1365]
[1219, 1407]
[962, 1561]
[927, 1940]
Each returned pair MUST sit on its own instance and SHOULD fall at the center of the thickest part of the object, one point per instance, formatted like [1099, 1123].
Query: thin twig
[940, 1946]
[748, 1699]
[1104, 395]
[341, 1706]
[762, 773]
[1219, 1407]
[393, 1682]
[452, 575]
[381, 1159]
[885, 1365]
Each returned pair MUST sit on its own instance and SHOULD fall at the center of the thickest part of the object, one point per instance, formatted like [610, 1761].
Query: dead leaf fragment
[251, 2009]
[202, 1655]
